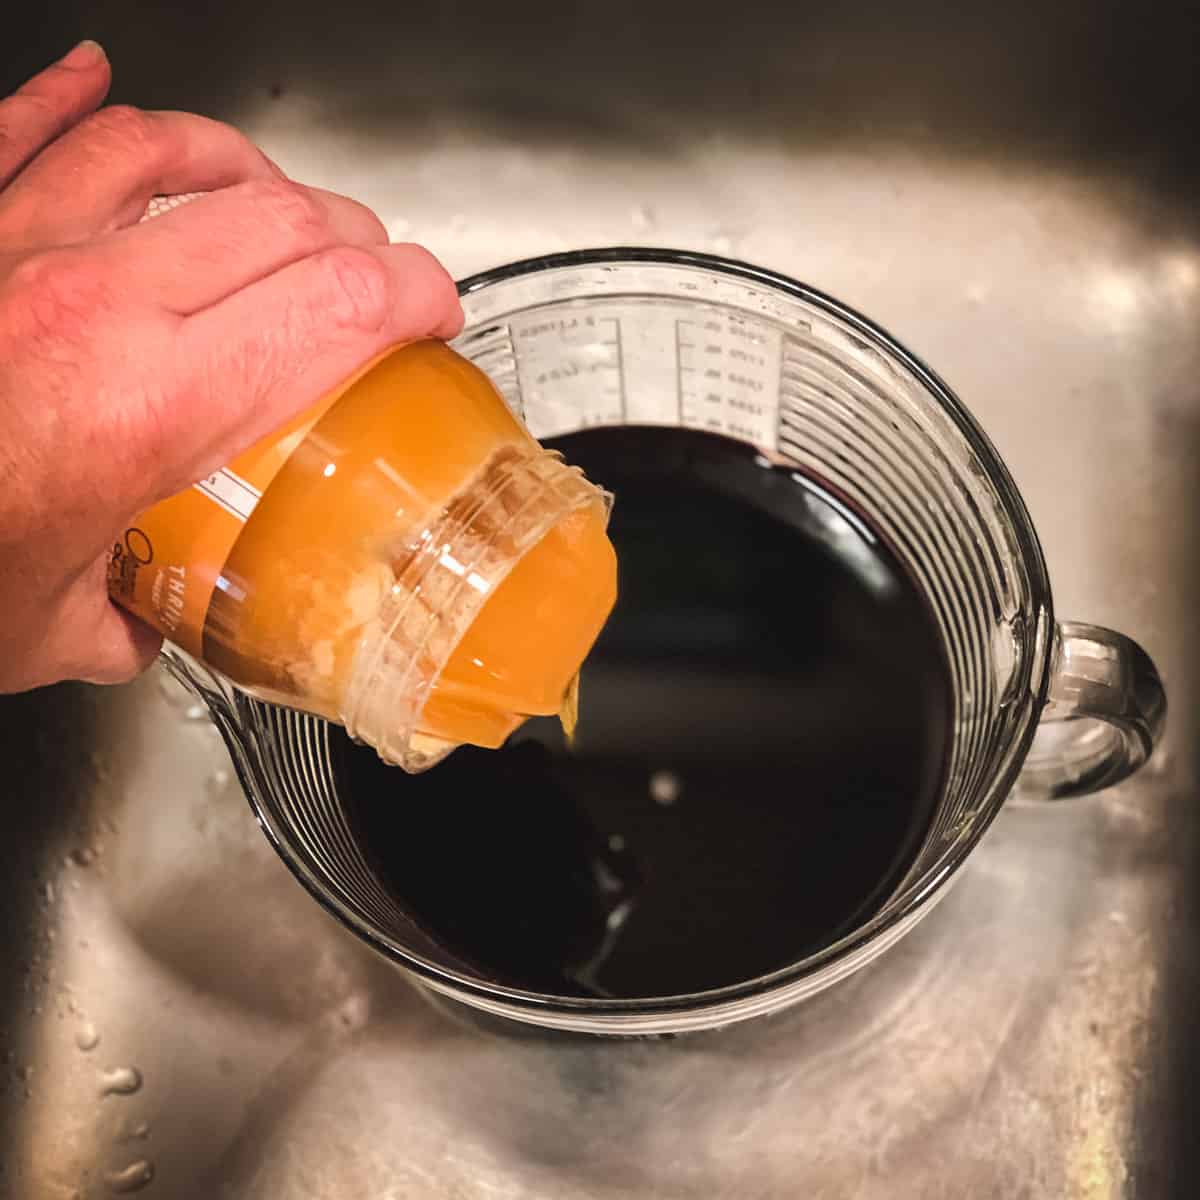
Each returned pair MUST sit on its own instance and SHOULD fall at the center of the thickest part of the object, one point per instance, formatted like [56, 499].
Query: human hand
[138, 358]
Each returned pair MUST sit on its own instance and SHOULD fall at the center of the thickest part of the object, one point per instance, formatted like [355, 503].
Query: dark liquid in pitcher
[762, 736]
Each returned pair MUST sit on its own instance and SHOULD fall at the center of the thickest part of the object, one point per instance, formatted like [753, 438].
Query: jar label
[167, 564]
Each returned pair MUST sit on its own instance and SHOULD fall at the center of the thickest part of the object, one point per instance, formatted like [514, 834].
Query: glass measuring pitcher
[647, 337]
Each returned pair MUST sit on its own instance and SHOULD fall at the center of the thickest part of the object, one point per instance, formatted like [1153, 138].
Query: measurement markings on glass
[680, 366]
[570, 370]
[728, 373]
[619, 363]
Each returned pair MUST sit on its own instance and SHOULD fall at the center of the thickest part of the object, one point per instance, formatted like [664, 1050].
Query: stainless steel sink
[1013, 191]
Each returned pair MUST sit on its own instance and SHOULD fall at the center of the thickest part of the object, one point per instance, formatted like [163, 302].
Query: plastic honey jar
[404, 559]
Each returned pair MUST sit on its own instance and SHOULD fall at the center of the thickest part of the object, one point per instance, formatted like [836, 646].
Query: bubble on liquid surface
[120, 1081]
[665, 787]
[86, 1037]
[131, 1178]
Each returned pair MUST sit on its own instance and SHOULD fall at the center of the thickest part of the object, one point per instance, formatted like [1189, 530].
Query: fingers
[200, 253]
[122, 647]
[83, 635]
[101, 175]
[273, 349]
[50, 103]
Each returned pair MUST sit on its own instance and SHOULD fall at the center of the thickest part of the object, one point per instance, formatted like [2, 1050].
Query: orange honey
[413, 565]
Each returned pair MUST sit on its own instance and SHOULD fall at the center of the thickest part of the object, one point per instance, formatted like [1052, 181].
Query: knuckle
[12, 139]
[431, 287]
[122, 123]
[286, 206]
[358, 288]
[23, 121]
[372, 220]
[60, 295]
[118, 141]
[418, 258]
[40, 106]
[26, 109]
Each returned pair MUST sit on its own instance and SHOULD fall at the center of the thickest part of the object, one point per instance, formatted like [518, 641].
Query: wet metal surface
[1014, 196]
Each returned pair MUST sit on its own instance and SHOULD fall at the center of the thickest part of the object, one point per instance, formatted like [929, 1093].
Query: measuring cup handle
[1104, 714]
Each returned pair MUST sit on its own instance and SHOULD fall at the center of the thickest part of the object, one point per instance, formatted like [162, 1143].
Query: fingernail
[86, 54]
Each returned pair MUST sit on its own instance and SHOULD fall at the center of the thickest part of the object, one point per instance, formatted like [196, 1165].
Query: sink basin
[1013, 194]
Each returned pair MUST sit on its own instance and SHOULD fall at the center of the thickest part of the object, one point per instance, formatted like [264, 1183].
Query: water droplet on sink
[138, 1132]
[99, 761]
[86, 1037]
[120, 1081]
[641, 218]
[353, 1012]
[665, 787]
[131, 1178]
[219, 780]
[83, 856]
